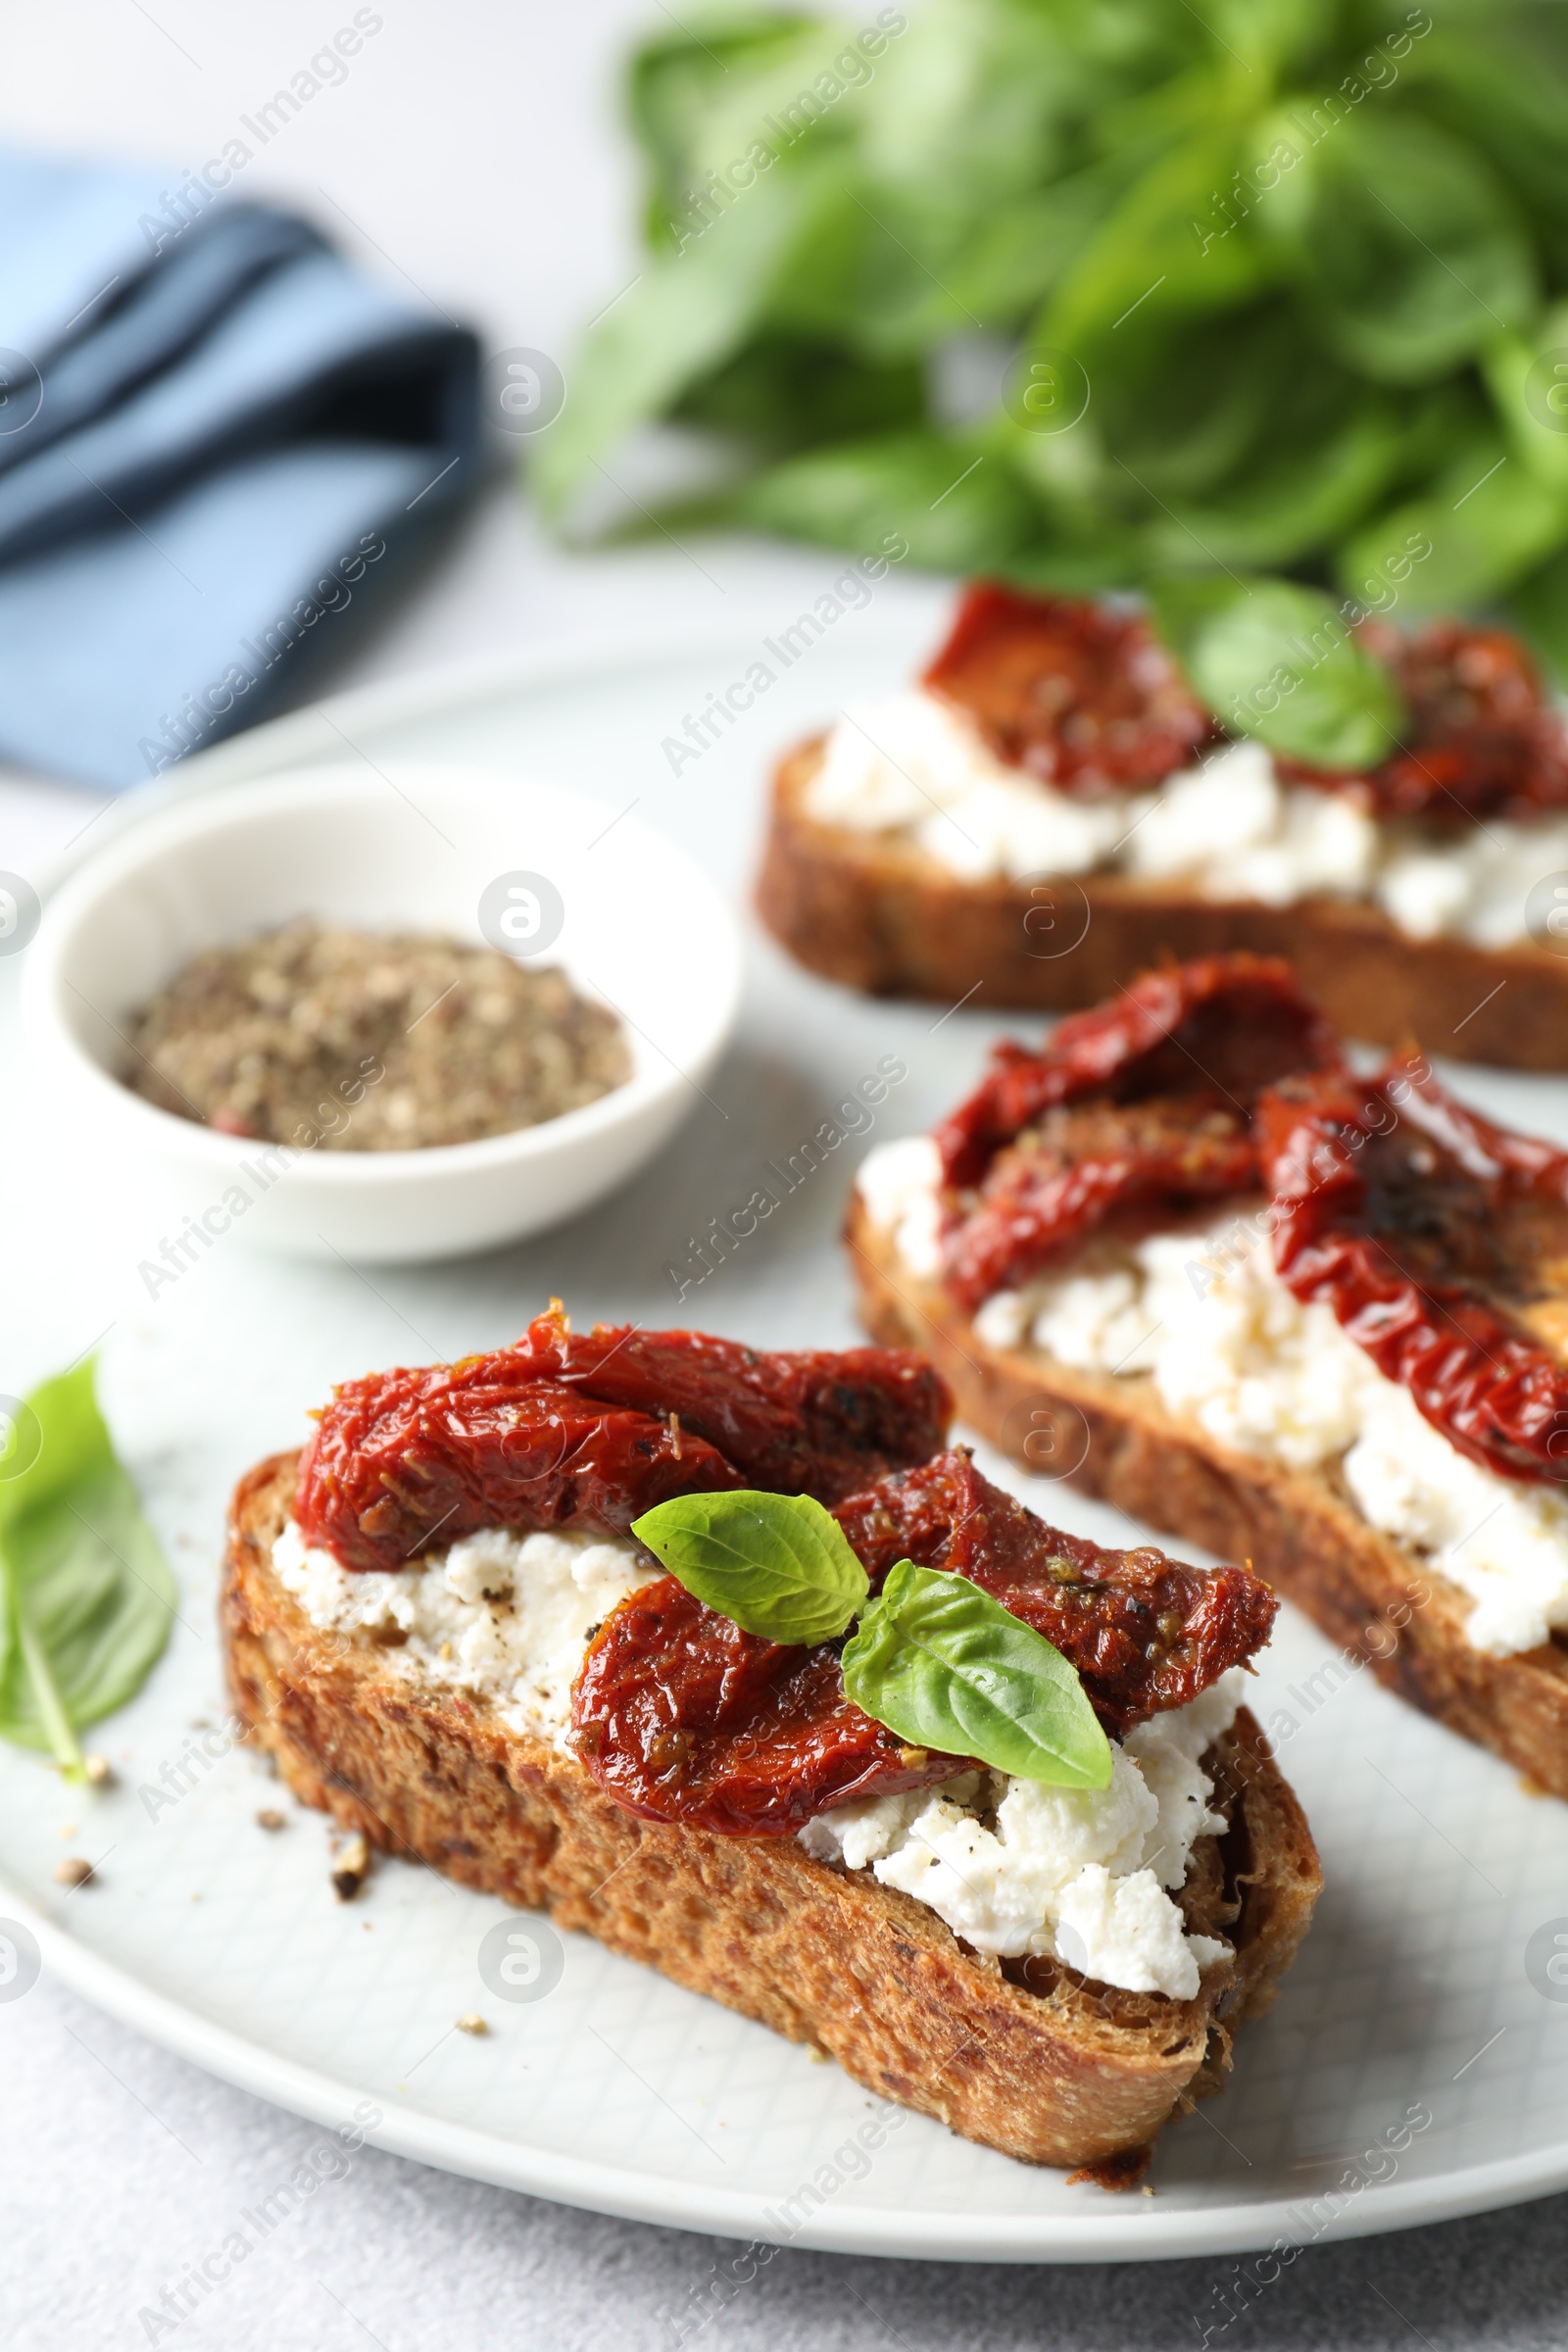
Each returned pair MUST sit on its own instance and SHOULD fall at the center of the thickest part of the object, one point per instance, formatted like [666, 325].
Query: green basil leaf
[1278, 661]
[779, 1565]
[1487, 521]
[684, 315]
[986, 102]
[1503, 83]
[697, 101]
[1075, 560]
[1276, 509]
[1539, 605]
[944, 1666]
[783, 391]
[954, 510]
[1412, 253]
[1145, 251]
[57, 1440]
[1528, 380]
[87, 1598]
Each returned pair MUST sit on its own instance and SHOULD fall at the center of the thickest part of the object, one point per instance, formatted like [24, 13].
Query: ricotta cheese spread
[1081, 1874]
[500, 1614]
[1011, 1866]
[914, 766]
[1006, 1864]
[1204, 1315]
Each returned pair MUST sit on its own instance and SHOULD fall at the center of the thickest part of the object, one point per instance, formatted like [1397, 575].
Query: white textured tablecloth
[472, 150]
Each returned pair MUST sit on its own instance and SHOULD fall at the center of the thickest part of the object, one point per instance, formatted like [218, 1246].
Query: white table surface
[473, 152]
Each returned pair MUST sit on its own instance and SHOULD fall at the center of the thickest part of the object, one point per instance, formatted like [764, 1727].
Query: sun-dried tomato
[1226, 1023]
[1084, 696]
[1426, 1234]
[1146, 1633]
[1483, 739]
[683, 1717]
[1143, 1102]
[589, 1431]
[1083, 1163]
[1429, 1228]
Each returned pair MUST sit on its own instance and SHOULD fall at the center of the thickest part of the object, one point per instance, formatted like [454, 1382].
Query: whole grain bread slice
[1054, 2069]
[1381, 1603]
[879, 915]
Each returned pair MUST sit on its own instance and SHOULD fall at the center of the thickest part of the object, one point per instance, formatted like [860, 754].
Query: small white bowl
[641, 928]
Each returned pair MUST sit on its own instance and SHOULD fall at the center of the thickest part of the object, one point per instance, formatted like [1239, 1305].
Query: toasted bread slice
[1297, 1528]
[879, 915]
[1061, 2071]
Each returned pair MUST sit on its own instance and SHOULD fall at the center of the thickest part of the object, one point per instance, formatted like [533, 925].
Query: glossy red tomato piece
[1483, 739]
[1222, 1023]
[590, 1430]
[1140, 1105]
[1082, 696]
[681, 1716]
[1424, 1227]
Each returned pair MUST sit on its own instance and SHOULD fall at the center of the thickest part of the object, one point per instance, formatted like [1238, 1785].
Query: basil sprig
[1278, 661]
[779, 1565]
[944, 1665]
[935, 1658]
[86, 1599]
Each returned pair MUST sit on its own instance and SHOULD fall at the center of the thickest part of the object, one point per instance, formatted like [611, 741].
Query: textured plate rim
[1143, 2234]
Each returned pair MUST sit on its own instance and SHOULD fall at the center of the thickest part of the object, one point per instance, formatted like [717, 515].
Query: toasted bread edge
[881, 915]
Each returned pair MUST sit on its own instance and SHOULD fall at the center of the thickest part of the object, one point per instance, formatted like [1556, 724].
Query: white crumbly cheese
[899, 1182]
[1232, 829]
[1476, 885]
[913, 763]
[504, 1615]
[1503, 1543]
[915, 766]
[1226, 1344]
[1083, 1874]
[1232, 1347]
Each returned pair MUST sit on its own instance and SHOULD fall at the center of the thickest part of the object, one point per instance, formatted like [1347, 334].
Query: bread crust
[1379, 1602]
[1068, 2075]
[881, 915]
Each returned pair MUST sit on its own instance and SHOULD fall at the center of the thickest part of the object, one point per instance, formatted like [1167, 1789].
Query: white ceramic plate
[1416, 2065]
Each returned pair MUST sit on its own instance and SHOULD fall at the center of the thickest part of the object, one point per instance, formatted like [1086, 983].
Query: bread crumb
[72, 1872]
[100, 1772]
[473, 2023]
[269, 1818]
[351, 1867]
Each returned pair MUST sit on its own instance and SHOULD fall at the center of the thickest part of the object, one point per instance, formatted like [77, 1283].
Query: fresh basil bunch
[86, 1599]
[933, 1658]
[1307, 261]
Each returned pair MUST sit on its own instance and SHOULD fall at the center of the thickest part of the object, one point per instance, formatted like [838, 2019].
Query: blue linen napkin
[211, 430]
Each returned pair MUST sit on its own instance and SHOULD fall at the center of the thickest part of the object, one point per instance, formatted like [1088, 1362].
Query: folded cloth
[210, 427]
